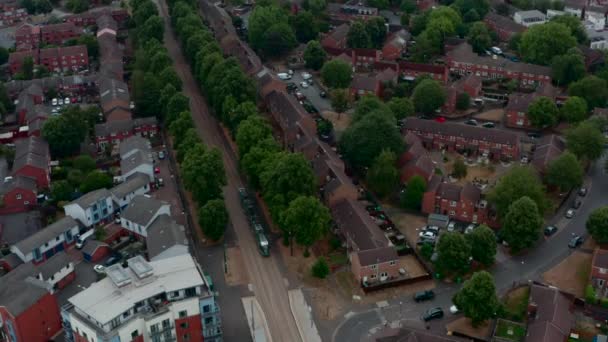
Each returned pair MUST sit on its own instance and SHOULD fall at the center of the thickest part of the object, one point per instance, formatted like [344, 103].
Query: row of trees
[455, 251]
[285, 179]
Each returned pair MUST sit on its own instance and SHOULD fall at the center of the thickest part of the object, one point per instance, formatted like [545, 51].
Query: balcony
[215, 309]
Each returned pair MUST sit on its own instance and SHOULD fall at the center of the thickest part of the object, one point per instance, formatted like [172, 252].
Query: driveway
[506, 272]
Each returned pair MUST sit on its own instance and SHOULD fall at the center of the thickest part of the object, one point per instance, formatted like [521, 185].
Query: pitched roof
[134, 143]
[449, 191]
[377, 256]
[163, 234]
[340, 32]
[504, 23]
[19, 290]
[91, 198]
[134, 160]
[470, 192]
[113, 93]
[22, 182]
[113, 127]
[547, 150]
[31, 145]
[398, 39]
[519, 102]
[47, 234]
[53, 265]
[356, 225]
[553, 317]
[364, 82]
[91, 246]
[142, 209]
[61, 27]
[136, 181]
[463, 131]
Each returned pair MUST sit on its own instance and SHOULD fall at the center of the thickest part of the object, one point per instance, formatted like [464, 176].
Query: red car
[156, 170]
[440, 119]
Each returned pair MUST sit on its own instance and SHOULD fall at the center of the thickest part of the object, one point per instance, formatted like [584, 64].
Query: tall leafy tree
[27, 68]
[479, 37]
[428, 96]
[251, 131]
[339, 100]
[278, 39]
[597, 224]
[574, 24]
[522, 224]
[412, 199]
[565, 172]
[65, 133]
[542, 112]
[383, 177]
[401, 107]
[460, 169]
[477, 298]
[540, 43]
[304, 26]
[203, 173]
[574, 109]
[336, 74]
[257, 157]
[307, 220]
[365, 139]
[261, 19]
[180, 126]
[586, 141]
[371, 104]
[95, 180]
[376, 29]
[213, 219]
[453, 253]
[515, 184]
[568, 68]
[483, 245]
[153, 28]
[177, 103]
[358, 37]
[314, 55]
[591, 88]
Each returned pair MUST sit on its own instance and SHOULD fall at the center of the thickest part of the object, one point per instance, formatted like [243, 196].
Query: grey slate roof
[19, 290]
[377, 256]
[91, 198]
[53, 265]
[464, 131]
[356, 224]
[134, 143]
[134, 182]
[91, 245]
[141, 209]
[106, 129]
[46, 234]
[163, 234]
[133, 161]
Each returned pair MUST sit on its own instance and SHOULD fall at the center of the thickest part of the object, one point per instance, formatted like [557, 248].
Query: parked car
[291, 87]
[434, 229]
[488, 125]
[323, 94]
[161, 155]
[66, 100]
[427, 234]
[454, 309]
[576, 241]
[99, 269]
[550, 230]
[469, 229]
[306, 76]
[304, 84]
[451, 226]
[424, 295]
[434, 313]
[471, 122]
[534, 135]
[570, 213]
[114, 259]
[284, 76]
[582, 192]
[577, 203]
[300, 96]
[156, 170]
[54, 101]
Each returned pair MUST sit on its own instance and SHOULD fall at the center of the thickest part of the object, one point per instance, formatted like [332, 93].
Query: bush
[335, 243]
[426, 251]
[590, 294]
[320, 269]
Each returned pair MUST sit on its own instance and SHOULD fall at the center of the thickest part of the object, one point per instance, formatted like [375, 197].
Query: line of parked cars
[432, 313]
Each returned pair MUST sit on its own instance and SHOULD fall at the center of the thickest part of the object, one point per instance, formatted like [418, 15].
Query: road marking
[250, 286]
[349, 314]
[382, 304]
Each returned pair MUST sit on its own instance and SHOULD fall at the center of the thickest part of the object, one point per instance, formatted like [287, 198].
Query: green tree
[412, 198]
[401, 107]
[515, 184]
[463, 101]
[315, 6]
[586, 141]
[379, 4]
[177, 103]
[365, 139]
[574, 109]
[479, 37]
[477, 298]
[143, 12]
[565, 172]
[320, 269]
[95, 180]
[286, 176]
[408, 6]
[575, 26]
[5, 100]
[203, 173]
[339, 100]
[27, 68]
[368, 104]
[251, 131]
[65, 133]
[258, 156]
[278, 40]
[483, 245]
[383, 177]
[428, 96]
[358, 37]
[61, 190]
[459, 169]
[314, 55]
[540, 43]
[542, 112]
[376, 29]
[597, 224]
[153, 28]
[591, 88]
[91, 43]
[522, 224]
[453, 253]
[188, 141]
[260, 20]
[307, 220]
[77, 6]
[213, 219]
[568, 68]
[336, 74]
[180, 126]
[84, 163]
[481, 7]
[304, 26]
[238, 114]
[515, 42]
[169, 76]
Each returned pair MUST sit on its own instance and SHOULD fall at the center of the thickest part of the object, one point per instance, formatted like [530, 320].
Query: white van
[496, 50]
[83, 238]
[284, 76]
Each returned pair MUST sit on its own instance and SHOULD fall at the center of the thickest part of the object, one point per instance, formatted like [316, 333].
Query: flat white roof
[104, 301]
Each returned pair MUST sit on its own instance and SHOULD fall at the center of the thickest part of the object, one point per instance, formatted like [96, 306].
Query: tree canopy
[314, 55]
[383, 176]
[565, 172]
[515, 184]
[412, 198]
[306, 219]
[574, 109]
[540, 43]
[479, 37]
[542, 112]
[251, 131]
[453, 253]
[213, 219]
[522, 224]
[591, 88]
[568, 68]
[336, 74]
[428, 96]
[483, 244]
[269, 30]
[477, 298]
[597, 224]
[586, 141]
[66, 132]
[402, 107]
[203, 173]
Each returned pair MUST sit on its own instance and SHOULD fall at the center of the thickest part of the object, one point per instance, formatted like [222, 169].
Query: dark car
[471, 122]
[488, 125]
[534, 135]
[424, 295]
[323, 94]
[434, 313]
[576, 241]
[114, 259]
[291, 87]
[582, 192]
[550, 230]
[577, 203]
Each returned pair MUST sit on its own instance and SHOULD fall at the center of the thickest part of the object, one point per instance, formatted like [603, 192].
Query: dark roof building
[547, 150]
[550, 318]
[163, 234]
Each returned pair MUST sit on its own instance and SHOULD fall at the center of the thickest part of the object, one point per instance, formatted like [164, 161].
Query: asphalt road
[528, 266]
[267, 282]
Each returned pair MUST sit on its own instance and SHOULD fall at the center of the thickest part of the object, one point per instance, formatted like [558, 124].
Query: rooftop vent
[140, 267]
[118, 275]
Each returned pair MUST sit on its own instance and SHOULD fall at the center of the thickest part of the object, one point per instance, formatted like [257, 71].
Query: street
[267, 281]
[522, 268]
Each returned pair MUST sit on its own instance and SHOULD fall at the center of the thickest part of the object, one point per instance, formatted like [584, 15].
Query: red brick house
[335, 41]
[516, 111]
[410, 71]
[415, 161]
[58, 34]
[10, 17]
[89, 18]
[95, 250]
[372, 265]
[114, 99]
[32, 159]
[503, 26]
[463, 138]
[462, 60]
[395, 45]
[469, 84]
[289, 116]
[27, 37]
[113, 132]
[365, 59]
[599, 272]
[72, 58]
[462, 203]
[15, 59]
[550, 316]
[19, 194]
[28, 310]
[362, 85]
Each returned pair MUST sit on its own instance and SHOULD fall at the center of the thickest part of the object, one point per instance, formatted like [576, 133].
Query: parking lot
[168, 190]
[312, 92]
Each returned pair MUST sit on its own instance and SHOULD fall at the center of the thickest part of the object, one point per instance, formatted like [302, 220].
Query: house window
[26, 202]
[184, 313]
[208, 320]
[186, 337]
[18, 196]
[452, 213]
[184, 325]
[134, 334]
[392, 262]
[453, 203]
[373, 276]
[373, 267]
[384, 274]
[166, 323]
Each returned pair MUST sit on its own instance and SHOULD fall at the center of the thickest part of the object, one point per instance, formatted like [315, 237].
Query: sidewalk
[256, 320]
[303, 317]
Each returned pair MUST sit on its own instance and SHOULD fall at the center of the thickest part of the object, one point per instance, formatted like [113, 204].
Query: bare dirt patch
[340, 121]
[464, 327]
[412, 266]
[495, 115]
[237, 272]
[561, 275]
[407, 224]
